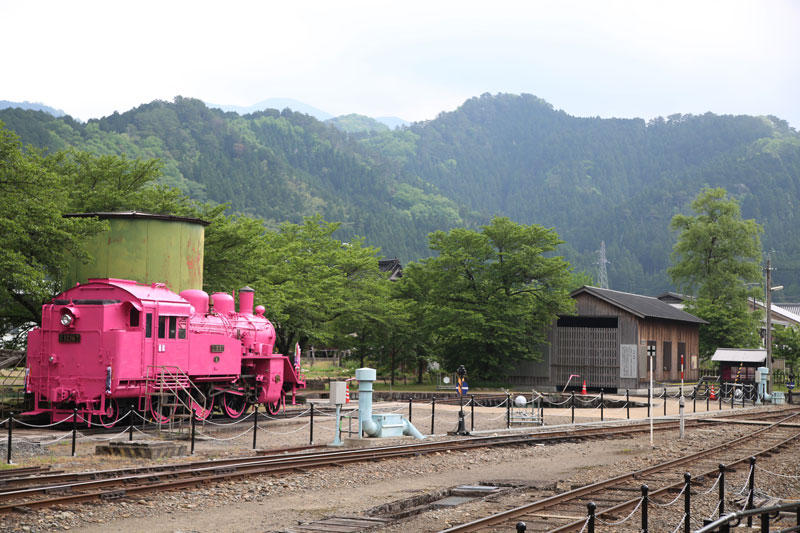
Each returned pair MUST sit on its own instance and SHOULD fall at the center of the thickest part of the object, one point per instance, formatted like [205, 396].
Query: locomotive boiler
[110, 345]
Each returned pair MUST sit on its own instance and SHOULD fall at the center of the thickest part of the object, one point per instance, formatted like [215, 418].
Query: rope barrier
[777, 474]
[21, 423]
[284, 432]
[586, 523]
[245, 432]
[680, 523]
[618, 522]
[759, 492]
[746, 482]
[48, 442]
[746, 501]
[716, 482]
[234, 422]
[100, 439]
[710, 517]
[663, 505]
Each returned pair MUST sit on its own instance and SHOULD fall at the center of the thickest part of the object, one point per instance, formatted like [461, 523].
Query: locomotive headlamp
[68, 316]
[66, 319]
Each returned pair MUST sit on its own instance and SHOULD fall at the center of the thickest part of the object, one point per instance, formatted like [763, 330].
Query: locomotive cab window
[148, 325]
[162, 327]
[173, 326]
[133, 318]
[181, 328]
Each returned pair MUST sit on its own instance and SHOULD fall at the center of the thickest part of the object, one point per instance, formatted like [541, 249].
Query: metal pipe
[573, 407]
[601, 405]
[472, 412]
[591, 506]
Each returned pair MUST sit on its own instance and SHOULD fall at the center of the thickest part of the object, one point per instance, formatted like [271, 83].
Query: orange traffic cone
[712, 395]
[583, 390]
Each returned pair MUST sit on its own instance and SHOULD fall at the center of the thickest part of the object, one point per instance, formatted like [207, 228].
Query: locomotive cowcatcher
[111, 345]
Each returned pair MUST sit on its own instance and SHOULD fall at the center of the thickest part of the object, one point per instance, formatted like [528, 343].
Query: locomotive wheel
[274, 408]
[110, 415]
[234, 405]
[161, 414]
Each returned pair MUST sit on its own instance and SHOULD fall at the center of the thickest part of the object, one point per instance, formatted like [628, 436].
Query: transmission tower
[602, 262]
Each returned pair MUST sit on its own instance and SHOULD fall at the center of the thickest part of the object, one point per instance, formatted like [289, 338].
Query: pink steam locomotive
[110, 345]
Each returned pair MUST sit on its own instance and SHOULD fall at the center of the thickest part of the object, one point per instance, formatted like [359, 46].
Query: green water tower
[144, 247]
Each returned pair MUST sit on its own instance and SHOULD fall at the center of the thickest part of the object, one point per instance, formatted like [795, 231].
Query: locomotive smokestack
[246, 297]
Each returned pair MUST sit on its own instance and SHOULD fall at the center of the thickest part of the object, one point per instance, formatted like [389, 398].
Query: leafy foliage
[717, 255]
[487, 296]
[786, 345]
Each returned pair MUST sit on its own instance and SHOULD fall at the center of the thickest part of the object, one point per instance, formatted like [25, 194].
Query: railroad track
[616, 497]
[38, 489]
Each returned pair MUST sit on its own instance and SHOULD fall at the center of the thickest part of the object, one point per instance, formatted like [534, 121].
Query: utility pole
[768, 335]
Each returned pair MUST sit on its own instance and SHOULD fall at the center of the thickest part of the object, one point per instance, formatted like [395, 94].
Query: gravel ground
[277, 503]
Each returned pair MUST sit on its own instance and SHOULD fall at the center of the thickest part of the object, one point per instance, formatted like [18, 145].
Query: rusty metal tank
[146, 248]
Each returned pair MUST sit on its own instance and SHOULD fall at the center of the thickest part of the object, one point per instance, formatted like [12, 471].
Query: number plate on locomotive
[69, 338]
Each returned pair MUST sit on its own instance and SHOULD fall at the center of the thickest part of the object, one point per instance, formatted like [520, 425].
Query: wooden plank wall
[674, 332]
[593, 353]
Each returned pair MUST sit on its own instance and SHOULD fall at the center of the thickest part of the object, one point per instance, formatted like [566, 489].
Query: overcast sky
[409, 59]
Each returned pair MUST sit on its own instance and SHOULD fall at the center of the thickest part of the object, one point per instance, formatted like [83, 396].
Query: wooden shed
[607, 341]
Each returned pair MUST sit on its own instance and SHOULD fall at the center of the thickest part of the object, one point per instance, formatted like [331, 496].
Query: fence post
[194, 414]
[433, 414]
[644, 508]
[130, 428]
[694, 401]
[751, 483]
[687, 503]
[573, 407]
[521, 527]
[311, 427]
[74, 428]
[649, 395]
[721, 490]
[628, 402]
[410, 399]
[10, 428]
[665, 401]
[591, 506]
[733, 396]
[255, 426]
[720, 397]
[601, 405]
[508, 410]
[472, 412]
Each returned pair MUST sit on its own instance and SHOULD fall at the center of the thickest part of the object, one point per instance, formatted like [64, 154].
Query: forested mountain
[275, 165]
[591, 179]
[34, 106]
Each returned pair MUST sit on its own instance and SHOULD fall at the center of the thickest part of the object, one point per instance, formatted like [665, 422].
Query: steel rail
[149, 478]
[608, 483]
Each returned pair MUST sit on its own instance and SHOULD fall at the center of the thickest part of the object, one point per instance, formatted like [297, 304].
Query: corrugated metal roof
[641, 306]
[739, 355]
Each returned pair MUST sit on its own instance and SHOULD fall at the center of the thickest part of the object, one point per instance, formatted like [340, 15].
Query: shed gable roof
[638, 305]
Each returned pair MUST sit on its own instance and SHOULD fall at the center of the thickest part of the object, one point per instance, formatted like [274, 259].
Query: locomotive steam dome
[144, 247]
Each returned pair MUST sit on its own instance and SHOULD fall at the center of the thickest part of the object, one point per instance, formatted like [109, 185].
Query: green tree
[488, 296]
[786, 345]
[34, 238]
[717, 255]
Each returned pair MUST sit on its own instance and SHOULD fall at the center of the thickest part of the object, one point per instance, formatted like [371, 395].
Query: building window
[667, 356]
